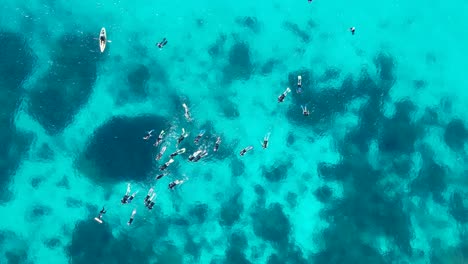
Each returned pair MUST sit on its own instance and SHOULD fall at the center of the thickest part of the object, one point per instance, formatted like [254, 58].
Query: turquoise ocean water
[376, 174]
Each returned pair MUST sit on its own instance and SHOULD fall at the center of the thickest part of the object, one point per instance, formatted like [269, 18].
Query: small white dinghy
[102, 39]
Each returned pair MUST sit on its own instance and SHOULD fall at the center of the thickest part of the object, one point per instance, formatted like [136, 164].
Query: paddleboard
[98, 220]
[102, 43]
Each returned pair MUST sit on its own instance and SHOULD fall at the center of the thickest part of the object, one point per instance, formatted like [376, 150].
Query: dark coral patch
[296, 30]
[456, 135]
[271, 224]
[231, 210]
[278, 172]
[59, 95]
[399, 133]
[16, 64]
[117, 151]
[94, 243]
[250, 23]
[137, 80]
[239, 65]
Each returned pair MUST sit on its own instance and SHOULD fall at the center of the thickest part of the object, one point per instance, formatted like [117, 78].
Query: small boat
[102, 39]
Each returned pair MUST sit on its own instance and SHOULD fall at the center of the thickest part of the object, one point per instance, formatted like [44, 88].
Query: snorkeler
[202, 154]
[161, 153]
[182, 136]
[162, 43]
[130, 221]
[352, 29]
[149, 203]
[148, 134]
[99, 217]
[265, 141]
[173, 184]
[299, 84]
[160, 137]
[126, 196]
[216, 146]
[197, 155]
[199, 136]
[187, 112]
[147, 197]
[165, 165]
[305, 111]
[245, 150]
[129, 200]
[161, 175]
[177, 152]
[283, 95]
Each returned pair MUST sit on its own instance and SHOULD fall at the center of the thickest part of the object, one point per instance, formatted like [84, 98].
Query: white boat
[102, 39]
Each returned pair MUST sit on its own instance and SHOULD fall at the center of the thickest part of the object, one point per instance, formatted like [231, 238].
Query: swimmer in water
[173, 184]
[160, 137]
[127, 195]
[182, 136]
[265, 141]
[130, 221]
[245, 150]
[202, 154]
[216, 146]
[187, 112]
[352, 29]
[149, 203]
[147, 197]
[199, 136]
[283, 95]
[162, 43]
[177, 152]
[159, 176]
[161, 153]
[194, 156]
[148, 134]
[305, 111]
[99, 217]
[299, 84]
[165, 165]
[130, 199]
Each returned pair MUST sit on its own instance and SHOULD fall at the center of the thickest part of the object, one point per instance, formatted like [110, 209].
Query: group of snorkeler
[197, 155]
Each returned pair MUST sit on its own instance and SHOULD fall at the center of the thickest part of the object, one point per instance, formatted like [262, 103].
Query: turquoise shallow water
[376, 173]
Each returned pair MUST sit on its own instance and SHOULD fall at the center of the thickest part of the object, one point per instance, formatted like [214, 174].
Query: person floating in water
[161, 153]
[216, 146]
[148, 134]
[99, 217]
[265, 141]
[130, 221]
[182, 136]
[352, 29]
[305, 111]
[245, 150]
[197, 155]
[177, 152]
[199, 136]
[149, 203]
[162, 43]
[283, 95]
[150, 192]
[165, 165]
[127, 197]
[160, 137]
[173, 184]
[202, 154]
[161, 175]
[299, 84]
[187, 112]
